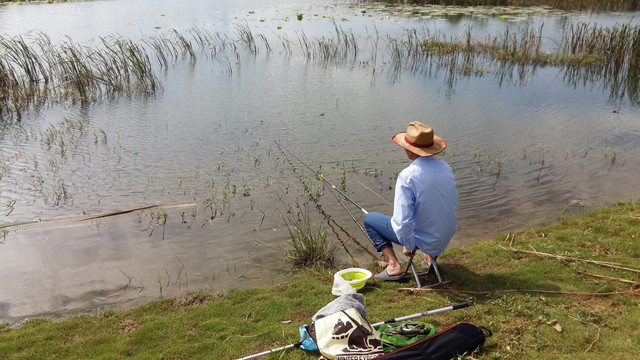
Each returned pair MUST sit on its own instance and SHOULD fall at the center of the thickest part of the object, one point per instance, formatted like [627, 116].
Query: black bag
[458, 339]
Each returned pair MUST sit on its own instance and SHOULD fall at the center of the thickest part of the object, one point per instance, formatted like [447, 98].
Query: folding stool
[417, 275]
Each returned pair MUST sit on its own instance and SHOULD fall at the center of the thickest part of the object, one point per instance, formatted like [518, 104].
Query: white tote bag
[346, 335]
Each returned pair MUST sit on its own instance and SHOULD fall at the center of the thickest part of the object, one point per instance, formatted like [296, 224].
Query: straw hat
[420, 139]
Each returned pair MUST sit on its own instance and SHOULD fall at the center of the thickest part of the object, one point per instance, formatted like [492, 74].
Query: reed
[246, 37]
[33, 71]
[586, 53]
[309, 245]
[157, 218]
[595, 5]
[582, 44]
[330, 49]
[4, 232]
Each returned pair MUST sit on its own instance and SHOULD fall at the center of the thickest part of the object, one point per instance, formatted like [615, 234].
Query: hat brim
[438, 145]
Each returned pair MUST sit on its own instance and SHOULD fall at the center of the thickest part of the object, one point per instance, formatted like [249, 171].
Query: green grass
[536, 306]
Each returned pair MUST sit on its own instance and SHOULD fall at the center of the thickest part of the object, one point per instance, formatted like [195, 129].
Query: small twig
[634, 283]
[597, 336]
[558, 292]
[596, 339]
[513, 238]
[569, 258]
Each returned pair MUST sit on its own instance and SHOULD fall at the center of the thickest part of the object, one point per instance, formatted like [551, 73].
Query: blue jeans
[378, 227]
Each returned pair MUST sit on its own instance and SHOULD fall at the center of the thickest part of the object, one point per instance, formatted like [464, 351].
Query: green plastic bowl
[356, 277]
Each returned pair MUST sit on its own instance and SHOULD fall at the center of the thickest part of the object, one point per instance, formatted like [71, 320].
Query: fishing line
[320, 177]
[375, 193]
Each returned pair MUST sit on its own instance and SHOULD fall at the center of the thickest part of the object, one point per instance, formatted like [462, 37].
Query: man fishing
[424, 207]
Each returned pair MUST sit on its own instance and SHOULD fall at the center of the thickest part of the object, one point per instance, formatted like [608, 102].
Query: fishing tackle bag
[457, 340]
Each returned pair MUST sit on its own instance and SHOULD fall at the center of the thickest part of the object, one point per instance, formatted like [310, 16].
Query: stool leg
[415, 275]
[434, 265]
[406, 270]
[411, 266]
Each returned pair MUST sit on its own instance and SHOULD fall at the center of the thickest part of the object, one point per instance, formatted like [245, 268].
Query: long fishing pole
[331, 188]
[354, 219]
[376, 325]
[321, 177]
[432, 312]
[272, 351]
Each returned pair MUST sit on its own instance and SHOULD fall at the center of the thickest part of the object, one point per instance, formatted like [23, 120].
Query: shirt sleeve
[402, 219]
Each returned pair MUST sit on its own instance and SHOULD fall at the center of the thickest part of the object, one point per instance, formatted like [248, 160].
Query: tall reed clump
[330, 50]
[611, 53]
[310, 247]
[585, 52]
[595, 5]
[34, 71]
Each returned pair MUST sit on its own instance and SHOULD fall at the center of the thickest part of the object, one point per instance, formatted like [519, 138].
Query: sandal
[383, 275]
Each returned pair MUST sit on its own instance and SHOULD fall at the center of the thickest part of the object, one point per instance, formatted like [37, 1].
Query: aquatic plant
[34, 71]
[157, 218]
[597, 5]
[586, 53]
[330, 49]
[612, 56]
[309, 245]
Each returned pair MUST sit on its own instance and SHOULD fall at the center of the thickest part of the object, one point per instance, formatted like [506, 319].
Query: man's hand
[407, 252]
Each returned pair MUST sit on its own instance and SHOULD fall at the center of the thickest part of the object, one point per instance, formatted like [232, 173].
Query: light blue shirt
[425, 206]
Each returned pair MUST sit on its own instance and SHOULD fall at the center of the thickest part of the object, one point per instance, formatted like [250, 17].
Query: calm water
[524, 152]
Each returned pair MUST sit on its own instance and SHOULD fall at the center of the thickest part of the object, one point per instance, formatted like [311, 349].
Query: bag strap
[487, 332]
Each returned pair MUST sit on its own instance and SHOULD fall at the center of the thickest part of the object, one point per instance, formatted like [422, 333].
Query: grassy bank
[568, 290]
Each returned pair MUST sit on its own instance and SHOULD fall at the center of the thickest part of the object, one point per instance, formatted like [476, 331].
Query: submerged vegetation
[589, 308]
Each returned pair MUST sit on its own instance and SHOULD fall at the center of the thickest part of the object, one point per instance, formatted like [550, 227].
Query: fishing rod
[319, 176]
[376, 325]
[331, 189]
[297, 344]
[432, 312]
